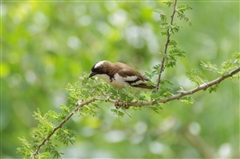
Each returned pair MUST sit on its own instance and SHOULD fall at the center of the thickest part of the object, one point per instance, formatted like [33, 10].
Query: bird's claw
[119, 104]
[116, 104]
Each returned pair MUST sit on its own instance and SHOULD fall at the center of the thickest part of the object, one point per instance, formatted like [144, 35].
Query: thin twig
[166, 46]
[61, 124]
[203, 86]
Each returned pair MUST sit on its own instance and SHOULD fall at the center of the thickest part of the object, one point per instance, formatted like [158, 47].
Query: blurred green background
[46, 45]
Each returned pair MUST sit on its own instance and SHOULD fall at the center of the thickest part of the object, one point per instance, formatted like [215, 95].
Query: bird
[120, 75]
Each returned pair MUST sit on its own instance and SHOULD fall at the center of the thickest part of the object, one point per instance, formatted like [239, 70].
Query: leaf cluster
[173, 54]
[181, 13]
[48, 122]
[225, 67]
[197, 77]
[45, 127]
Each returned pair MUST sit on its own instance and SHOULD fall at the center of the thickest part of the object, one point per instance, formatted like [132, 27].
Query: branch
[166, 46]
[199, 144]
[61, 124]
[137, 104]
[203, 86]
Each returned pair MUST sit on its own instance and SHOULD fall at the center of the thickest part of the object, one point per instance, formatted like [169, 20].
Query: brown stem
[166, 46]
[61, 124]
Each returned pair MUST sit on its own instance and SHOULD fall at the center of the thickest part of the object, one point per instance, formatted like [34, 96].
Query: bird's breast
[117, 80]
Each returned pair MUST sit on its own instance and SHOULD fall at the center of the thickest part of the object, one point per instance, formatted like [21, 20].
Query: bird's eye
[98, 71]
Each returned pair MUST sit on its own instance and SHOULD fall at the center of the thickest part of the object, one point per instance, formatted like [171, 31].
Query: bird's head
[99, 68]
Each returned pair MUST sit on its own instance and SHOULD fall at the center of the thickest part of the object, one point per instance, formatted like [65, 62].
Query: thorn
[127, 113]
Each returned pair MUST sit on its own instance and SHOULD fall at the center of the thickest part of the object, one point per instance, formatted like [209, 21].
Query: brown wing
[125, 70]
[132, 77]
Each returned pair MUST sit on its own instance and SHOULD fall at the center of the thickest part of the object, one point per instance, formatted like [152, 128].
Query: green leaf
[169, 3]
[195, 76]
[65, 108]
[162, 16]
[213, 88]
[117, 112]
[187, 100]
[156, 108]
[209, 66]
[181, 13]
[236, 56]
[26, 148]
[172, 29]
[66, 136]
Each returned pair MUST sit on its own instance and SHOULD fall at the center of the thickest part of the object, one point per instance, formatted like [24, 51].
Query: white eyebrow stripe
[99, 64]
[130, 78]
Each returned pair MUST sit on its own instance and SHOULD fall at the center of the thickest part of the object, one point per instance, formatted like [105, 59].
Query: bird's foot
[119, 104]
[124, 106]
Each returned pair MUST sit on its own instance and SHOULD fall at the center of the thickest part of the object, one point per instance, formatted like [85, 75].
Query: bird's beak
[92, 74]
